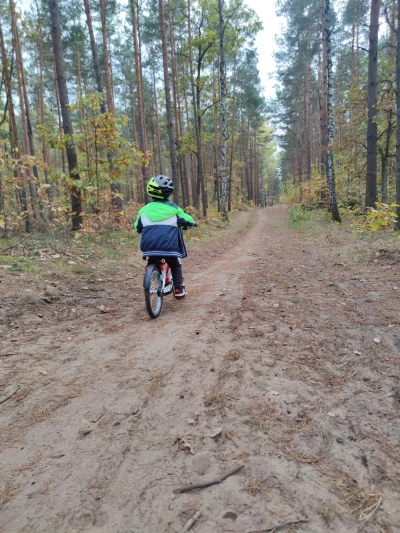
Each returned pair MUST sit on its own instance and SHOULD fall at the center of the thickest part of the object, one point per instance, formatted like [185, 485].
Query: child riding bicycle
[160, 223]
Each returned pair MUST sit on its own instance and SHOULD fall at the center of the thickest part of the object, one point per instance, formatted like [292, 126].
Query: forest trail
[270, 362]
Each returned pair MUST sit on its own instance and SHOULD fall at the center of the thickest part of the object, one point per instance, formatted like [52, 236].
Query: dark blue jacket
[160, 224]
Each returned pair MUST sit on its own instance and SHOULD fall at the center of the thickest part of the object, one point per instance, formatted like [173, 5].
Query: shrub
[379, 218]
[298, 214]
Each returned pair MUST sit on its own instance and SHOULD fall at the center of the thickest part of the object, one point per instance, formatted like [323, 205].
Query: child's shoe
[179, 293]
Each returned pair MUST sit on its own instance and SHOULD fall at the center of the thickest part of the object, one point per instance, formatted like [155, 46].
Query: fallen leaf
[185, 445]
[216, 433]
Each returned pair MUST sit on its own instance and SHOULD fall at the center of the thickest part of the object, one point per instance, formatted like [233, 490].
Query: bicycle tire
[153, 302]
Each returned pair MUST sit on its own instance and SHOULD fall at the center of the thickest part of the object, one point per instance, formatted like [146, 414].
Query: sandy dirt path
[269, 363]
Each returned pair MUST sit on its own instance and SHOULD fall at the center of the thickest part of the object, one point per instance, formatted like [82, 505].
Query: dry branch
[209, 483]
[15, 245]
[278, 526]
[191, 522]
[8, 395]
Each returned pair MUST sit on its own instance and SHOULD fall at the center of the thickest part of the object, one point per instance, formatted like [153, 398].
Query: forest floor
[284, 358]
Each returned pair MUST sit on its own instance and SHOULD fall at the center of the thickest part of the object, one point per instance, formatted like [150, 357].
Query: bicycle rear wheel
[152, 290]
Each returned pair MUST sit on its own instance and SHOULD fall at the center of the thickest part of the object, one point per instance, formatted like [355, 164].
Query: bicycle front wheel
[152, 290]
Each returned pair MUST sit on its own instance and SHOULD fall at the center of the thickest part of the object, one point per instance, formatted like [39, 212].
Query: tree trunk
[232, 137]
[256, 172]
[300, 132]
[201, 187]
[330, 164]
[174, 69]
[14, 134]
[82, 118]
[323, 96]
[192, 179]
[247, 158]
[76, 202]
[95, 56]
[139, 92]
[170, 125]
[385, 154]
[384, 175]
[29, 147]
[185, 173]
[114, 186]
[371, 191]
[45, 150]
[197, 125]
[215, 155]
[159, 148]
[58, 112]
[308, 118]
[222, 81]
[107, 70]
[357, 41]
[398, 117]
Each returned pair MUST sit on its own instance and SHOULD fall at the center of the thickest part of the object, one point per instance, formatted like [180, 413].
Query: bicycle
[157, 283]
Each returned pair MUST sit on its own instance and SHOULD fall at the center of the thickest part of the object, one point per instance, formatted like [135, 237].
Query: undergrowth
[307, 221]
[353, 239]
[69, 253]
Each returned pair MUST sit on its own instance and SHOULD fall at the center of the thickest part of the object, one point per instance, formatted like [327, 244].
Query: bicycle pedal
[168, 289]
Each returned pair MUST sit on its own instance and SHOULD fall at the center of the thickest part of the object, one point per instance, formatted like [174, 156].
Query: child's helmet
[160, 187]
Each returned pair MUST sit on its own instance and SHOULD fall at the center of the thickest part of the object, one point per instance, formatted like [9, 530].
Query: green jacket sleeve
[181, 214]
[138, 223]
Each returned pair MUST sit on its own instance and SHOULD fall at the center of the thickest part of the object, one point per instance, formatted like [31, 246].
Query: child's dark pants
[175, 266]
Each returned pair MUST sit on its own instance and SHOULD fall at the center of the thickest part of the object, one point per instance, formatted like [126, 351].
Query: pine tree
[222, 81]
[76, 197]
[371, 192]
